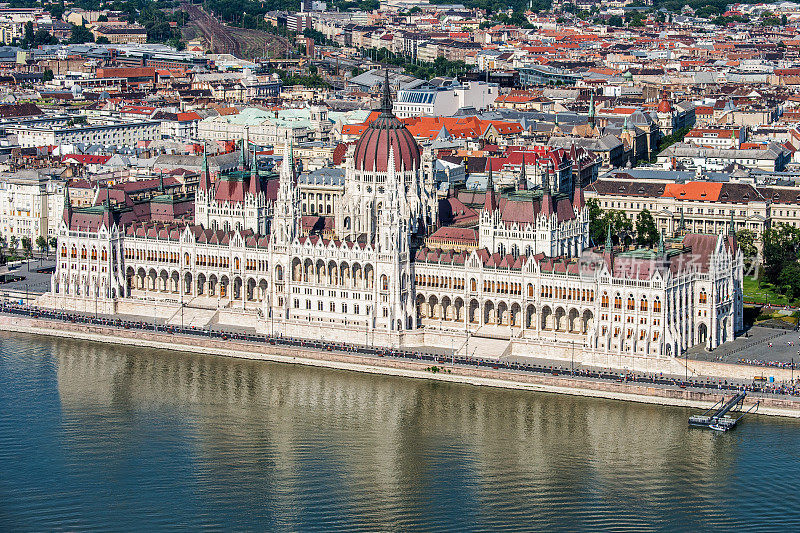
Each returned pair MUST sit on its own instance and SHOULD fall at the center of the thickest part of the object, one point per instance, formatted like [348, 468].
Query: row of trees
[423, 70]
[781, 256]
[12, 245]
[623, 230]
[148, 13]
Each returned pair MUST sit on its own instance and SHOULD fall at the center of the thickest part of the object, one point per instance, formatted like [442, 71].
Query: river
[97, 437]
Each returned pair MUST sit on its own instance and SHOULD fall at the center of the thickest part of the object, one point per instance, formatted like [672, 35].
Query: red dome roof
[664, 107]
[385, 132]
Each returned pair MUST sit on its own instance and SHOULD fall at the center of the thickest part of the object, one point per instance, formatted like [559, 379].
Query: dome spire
[386, 99]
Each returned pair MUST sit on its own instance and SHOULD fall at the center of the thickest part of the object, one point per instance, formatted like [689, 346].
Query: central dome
[385, 132]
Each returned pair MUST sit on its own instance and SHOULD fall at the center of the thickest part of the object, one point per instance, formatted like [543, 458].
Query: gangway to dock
[717, 417]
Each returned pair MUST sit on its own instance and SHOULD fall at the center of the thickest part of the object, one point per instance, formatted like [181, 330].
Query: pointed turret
[577, 195]
[287, 205]
[108, 220]
[682, 225]
[255, 179]
[489, 200]
[67, 215]
[547, 197]
[205, 174]
[591, 109]
[661, 243]
[608, 251]
[243, 156]
[523, 175]
[731, 227]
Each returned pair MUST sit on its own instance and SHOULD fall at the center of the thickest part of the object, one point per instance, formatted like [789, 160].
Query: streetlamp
[572, 358]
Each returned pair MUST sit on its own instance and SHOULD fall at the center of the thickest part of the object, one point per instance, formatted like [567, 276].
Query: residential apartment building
[31, 203]
[694, 206]
[773, 158]
[113, 134]
[716, 137]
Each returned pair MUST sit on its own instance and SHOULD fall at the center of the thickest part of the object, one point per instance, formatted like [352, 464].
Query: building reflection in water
[290, 446]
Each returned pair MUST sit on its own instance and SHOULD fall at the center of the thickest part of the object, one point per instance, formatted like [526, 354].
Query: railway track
[215, 32]
[239, 42]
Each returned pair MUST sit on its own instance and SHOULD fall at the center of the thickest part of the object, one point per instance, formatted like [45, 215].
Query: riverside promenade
[638, 387]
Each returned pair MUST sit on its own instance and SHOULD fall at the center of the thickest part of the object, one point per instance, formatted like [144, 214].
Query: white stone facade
[371, 283]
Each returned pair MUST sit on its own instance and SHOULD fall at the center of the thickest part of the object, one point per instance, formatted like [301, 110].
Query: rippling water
[98, 437]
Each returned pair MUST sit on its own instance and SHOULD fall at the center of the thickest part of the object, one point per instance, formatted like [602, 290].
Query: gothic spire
[731, 227]
[205, 175]
[591, 109]
[386, 98]
[661, 243]
[609, 246]
[242, 156]
[255, 179]
[523, 177]
[489, 201]
[67, 204]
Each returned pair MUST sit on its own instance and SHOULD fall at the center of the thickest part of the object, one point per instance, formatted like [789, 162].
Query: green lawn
[765, 293]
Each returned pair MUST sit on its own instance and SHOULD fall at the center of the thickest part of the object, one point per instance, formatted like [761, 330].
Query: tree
[27, 40]
[102, 18]
[43, 37]
[746, 239]
[42, 244]
[597, 225]
[621, 226]
[102, 40]
[615, 20]
[27, 246]
[600, 221]
[13, 243]
[646, 231]
[788, 281]
[80, 35]
[53, 242]
[47, 75]
[781, 248]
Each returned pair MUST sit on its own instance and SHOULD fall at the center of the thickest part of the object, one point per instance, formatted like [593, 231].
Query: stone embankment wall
[484, 376]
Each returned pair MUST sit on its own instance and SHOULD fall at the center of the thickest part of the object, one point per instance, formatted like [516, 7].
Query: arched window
[617, 302]
[631, 303]
[643, 304]
[473, 285]
[104, 255]
[186, 258]
[703, 297]
[74, 252]
[384, 283]
[279, 273]
[604, 300]
[94, 253]
[657, 306]
[63, 251]
[83, 252]
[236, 263]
